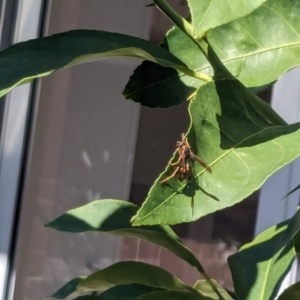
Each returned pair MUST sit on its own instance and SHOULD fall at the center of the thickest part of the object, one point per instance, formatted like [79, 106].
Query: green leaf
[259, 267]
[171, 295]
[292, 191]
[208, 14]
[165, 295]
[113, 216]
[291, 293]
[156, 86]
[23, 62]
[128, 291]
[119, 292]
[297, 242]
[205, 289]
[99, 297]
[261, 47]
[68, 289]
[241, 146]
[93, 297]
[256, 49]
[129, 272]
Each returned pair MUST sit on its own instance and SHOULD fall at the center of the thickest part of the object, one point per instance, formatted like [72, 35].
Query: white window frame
[271, 209]
[16, 110]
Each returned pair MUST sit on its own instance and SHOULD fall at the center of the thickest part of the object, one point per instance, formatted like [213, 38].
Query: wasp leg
[187, 142]
[174, 173]
[176, 163]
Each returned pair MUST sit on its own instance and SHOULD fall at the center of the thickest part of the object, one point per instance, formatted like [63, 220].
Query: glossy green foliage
[172, 295]
[113, 216]
[155, 86]
[261, 47]
[239, 136]
[68, 289]
[26, 61]
[205, 289]
[129, 272]
[128, 291]
[212, 13]
[257, 49]
[120, 292]
[166, 295]
[241, 146]
[259, 267]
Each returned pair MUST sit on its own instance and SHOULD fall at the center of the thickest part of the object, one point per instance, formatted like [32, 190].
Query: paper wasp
[183, 170]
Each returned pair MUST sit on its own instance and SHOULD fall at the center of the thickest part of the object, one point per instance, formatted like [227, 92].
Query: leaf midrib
[244, 56]
[280, 47]
[262, 295]
[204, 16]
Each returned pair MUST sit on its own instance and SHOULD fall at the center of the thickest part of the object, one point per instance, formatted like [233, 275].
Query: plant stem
[221, 71]
[198, 75]
[182, 24]
[186, 27]
[175, 17]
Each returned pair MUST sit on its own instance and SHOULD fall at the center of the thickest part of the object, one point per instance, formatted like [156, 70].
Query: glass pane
[82, 150]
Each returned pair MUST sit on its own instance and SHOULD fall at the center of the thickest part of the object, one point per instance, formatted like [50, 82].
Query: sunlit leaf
[156, 86]
[128, 291]
[241, 146]
[208, 14]
[118, 292]
[257, 49]
[26, 61]
[113, 216]
[129, 272]
[259, 267]
[205, 289]
[261, 47]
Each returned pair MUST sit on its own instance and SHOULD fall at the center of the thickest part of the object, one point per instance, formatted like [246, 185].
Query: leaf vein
[280, 17]
[201, 172]
[204, 15]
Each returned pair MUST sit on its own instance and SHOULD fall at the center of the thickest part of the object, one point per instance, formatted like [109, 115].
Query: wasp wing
[200, 161]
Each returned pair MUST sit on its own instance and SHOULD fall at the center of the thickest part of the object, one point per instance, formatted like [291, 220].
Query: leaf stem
[175, 17]
[198, 75]
[182, 24]
[186, 27]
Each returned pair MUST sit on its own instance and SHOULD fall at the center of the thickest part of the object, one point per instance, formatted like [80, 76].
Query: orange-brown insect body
[183, 170]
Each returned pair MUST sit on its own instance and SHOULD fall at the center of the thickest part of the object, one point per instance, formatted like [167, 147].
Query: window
[86, 142]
